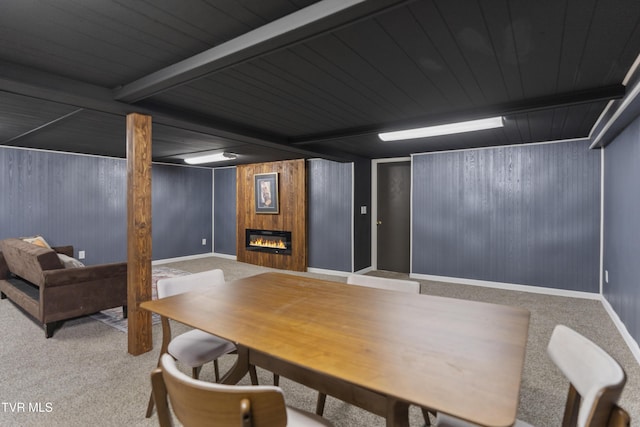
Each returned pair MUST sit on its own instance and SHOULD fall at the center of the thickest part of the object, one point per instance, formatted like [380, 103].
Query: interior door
[393, 222]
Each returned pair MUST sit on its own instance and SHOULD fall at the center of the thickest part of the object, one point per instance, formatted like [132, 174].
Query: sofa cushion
[70, 262]
[37, 240]
[29, 261]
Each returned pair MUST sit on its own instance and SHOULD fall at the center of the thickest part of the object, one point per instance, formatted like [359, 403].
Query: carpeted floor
[84, 376]
[114, 316]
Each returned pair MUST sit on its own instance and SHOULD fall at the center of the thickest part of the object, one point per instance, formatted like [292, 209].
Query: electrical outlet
[81, 254]
[204, 242]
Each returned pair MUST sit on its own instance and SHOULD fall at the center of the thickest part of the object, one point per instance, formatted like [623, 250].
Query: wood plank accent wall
[292, 217]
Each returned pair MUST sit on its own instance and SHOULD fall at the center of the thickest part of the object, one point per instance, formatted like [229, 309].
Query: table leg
[397, 413]
[239, 369]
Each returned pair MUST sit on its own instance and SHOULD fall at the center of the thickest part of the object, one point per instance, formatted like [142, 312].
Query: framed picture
[266, 192]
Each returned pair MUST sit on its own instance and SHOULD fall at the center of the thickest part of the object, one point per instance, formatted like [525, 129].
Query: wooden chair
[193, 348]
[399, 285]
[198, 403]
[619, 417]
[596, 381]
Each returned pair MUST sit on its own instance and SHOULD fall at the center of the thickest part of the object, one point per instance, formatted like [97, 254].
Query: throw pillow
[38, 241]
[69, 262]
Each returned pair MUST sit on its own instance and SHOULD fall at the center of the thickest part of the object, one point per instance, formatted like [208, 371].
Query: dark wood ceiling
[283, 79]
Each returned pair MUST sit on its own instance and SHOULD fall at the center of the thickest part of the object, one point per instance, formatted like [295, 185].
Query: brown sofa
[34, 278]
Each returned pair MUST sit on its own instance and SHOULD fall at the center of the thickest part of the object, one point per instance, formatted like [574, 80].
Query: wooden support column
[139, 231]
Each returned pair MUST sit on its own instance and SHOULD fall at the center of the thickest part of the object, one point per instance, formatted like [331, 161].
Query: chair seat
[299, 418]
[195, 348]
[449, 421]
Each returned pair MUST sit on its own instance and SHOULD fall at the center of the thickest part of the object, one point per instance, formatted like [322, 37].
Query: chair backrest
[176, 285]
[401, 285]
[596, 378]
[198, 403]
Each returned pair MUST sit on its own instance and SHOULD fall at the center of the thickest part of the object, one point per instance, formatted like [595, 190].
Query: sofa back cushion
[29, 261]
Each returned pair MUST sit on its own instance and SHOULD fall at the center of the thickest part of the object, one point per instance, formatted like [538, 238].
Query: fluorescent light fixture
[210, 158]
[450, 128]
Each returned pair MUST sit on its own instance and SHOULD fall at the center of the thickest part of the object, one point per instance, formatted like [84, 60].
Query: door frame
[374, 209]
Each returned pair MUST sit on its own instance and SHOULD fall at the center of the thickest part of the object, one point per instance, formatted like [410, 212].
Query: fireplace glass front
[277, 242]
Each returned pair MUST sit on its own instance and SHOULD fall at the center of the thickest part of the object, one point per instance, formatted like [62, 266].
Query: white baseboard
[364, 270]
[190, 257]
[631, 342]
[225, 256]
[182, 258]
[338, 272]
[329, 272]
[508, 286]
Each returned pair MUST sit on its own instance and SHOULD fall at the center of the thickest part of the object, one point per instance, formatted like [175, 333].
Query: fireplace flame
[267, 243]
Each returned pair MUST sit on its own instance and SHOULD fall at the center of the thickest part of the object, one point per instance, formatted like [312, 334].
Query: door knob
[378, 222]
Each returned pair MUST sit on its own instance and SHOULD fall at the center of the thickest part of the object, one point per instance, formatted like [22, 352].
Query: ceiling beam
[302, 25]
[36, 84]
[586, 96]
[619, 113]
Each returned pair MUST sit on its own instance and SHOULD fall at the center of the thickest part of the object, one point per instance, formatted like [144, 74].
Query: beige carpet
[114, 316]
[83, 376]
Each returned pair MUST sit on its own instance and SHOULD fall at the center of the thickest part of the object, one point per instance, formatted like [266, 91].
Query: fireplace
[275, 242]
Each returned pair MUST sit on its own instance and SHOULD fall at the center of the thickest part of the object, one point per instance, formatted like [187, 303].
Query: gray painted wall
[330, 214]
[622, 227]
[224, 217]
[81, 200]
[181, 203]
[525, 215]
[362, 223]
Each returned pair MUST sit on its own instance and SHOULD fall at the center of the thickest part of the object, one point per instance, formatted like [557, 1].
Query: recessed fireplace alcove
[272, 241]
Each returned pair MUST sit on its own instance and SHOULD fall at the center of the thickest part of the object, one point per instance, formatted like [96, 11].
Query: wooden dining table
[380, 350]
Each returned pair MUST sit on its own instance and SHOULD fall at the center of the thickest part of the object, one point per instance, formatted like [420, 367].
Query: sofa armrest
[67, 276]
[28, 260]
[65, 250]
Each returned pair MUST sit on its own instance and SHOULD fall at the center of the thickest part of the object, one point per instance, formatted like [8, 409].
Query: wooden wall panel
[330, 216]
[224, 205]
[526, 214]
[620, 286]
[292, 216]
[81, 200]
[181, 210]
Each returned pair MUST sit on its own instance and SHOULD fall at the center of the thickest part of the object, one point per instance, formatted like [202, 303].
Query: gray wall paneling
[622, 227]
[68, 199]
[362, 223]
[525, 215]
[330, 215]
[81, 200]
[181, 203]
[224, 216]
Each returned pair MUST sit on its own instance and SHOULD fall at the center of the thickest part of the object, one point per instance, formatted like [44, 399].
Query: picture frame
[266, 193]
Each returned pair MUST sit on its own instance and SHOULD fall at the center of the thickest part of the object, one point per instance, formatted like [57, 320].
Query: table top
[464, 358]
